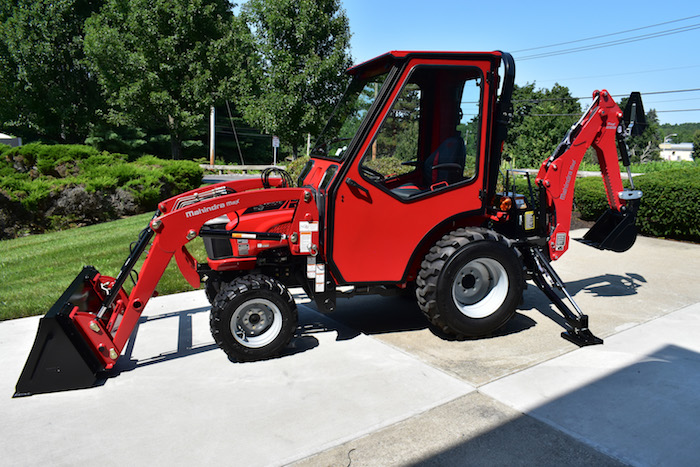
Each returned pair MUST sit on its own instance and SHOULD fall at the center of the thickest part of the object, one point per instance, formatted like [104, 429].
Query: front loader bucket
[613, 231]
[60, 358]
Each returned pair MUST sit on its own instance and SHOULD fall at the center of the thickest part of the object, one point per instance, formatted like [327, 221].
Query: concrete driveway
[371, 384]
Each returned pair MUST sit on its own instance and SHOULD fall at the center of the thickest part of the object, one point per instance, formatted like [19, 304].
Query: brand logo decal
[212, 208]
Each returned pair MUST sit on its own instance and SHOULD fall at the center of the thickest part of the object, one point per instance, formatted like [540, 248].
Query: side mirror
[634, 117]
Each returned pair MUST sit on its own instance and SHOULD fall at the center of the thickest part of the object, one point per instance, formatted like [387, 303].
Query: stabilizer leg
[543, 274]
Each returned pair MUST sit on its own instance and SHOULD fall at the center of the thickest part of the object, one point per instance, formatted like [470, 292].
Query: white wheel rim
[480, 288]
[256, 323]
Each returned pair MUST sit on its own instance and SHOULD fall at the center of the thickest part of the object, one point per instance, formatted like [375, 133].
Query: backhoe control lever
[544, 275]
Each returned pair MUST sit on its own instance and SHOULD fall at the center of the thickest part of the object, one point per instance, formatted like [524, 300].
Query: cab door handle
[353, 184]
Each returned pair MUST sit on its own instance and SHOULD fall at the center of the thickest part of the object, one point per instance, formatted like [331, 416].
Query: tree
[541, 118]
[163, 63]
[696, 145]
[399, 134]
[301, 52]
[45, 87]
[645, 148]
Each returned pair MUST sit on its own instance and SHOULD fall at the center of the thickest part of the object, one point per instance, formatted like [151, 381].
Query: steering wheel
[372, 174]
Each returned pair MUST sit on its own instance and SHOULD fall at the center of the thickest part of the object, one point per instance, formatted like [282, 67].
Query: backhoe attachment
[604, 128]
[615, 230]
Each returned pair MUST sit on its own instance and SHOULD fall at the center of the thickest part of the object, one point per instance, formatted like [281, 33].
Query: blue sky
[669, 62]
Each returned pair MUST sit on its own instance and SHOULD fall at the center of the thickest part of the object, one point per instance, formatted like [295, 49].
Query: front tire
[253, 318]
[470, 282]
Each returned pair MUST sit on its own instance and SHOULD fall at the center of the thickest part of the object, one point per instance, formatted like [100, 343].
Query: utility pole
[212, 134]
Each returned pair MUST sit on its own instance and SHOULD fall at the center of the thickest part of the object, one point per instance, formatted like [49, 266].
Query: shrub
[49, 187]
[388, 166]
[668, 207]
[296, 166]
[590, 198]
[670, 204]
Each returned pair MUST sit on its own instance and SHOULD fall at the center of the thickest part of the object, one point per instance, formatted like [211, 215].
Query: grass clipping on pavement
[35, 270]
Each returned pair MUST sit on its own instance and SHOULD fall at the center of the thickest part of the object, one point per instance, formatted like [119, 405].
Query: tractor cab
[406, 153]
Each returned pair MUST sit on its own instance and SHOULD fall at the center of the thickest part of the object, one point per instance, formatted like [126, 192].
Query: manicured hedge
[589, 197]
[48, 187]
[669, 207]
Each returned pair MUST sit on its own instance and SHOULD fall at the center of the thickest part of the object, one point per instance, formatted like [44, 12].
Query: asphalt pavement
[372, 384]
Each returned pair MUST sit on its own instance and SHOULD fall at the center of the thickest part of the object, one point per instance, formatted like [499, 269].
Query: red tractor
[402, 193]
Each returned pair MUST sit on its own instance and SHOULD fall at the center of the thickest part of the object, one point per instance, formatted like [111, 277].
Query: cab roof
[383, 62]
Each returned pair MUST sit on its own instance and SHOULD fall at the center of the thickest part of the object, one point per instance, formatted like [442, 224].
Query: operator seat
[443, 167]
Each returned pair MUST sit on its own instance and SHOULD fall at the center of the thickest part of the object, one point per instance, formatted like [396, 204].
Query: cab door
[404, 180]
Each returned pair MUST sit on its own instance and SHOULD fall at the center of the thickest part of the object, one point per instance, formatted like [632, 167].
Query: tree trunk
[175, 147]
[175, 142]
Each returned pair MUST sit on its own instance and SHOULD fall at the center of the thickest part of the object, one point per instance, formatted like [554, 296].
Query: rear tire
[470, 282]
[253, 318]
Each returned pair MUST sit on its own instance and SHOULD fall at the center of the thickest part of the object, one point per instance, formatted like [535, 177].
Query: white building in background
[676, 151]
[10, 140]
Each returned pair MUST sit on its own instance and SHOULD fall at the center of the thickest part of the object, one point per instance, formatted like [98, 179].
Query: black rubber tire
[470, 282]
[211, 289]
[262, 311]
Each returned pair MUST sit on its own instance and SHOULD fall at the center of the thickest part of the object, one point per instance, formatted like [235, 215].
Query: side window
[429, 138]
[327, 177]
[470, 124]
[396, 146]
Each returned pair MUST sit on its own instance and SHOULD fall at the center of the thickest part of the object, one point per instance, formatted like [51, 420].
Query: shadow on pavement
[381, 315]
[371, 315]
[309, 323]
[185, 345]
[640, 414]
[606, 285]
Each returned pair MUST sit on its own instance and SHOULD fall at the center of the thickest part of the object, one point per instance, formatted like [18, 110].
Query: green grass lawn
[35, 270]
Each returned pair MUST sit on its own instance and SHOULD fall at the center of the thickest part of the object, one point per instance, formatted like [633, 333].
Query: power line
[665, 101]
[657, 70]
[664, 92]
[556, 115]
[613, 43]
[581, 113]
[559, 99]
[606, 35]
[679, 110]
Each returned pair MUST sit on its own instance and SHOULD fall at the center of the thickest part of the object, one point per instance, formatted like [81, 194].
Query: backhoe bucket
[613, 231]
[60, 358]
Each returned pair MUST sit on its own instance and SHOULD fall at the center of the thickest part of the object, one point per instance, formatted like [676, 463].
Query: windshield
[347, 116]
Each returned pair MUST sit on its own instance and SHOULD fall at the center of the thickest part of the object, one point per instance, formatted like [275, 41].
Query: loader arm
[173, 230]
[600, 127]
[86, 330]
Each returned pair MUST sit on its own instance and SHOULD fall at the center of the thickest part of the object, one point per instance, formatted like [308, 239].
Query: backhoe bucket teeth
[612, 231]
[60, 358]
